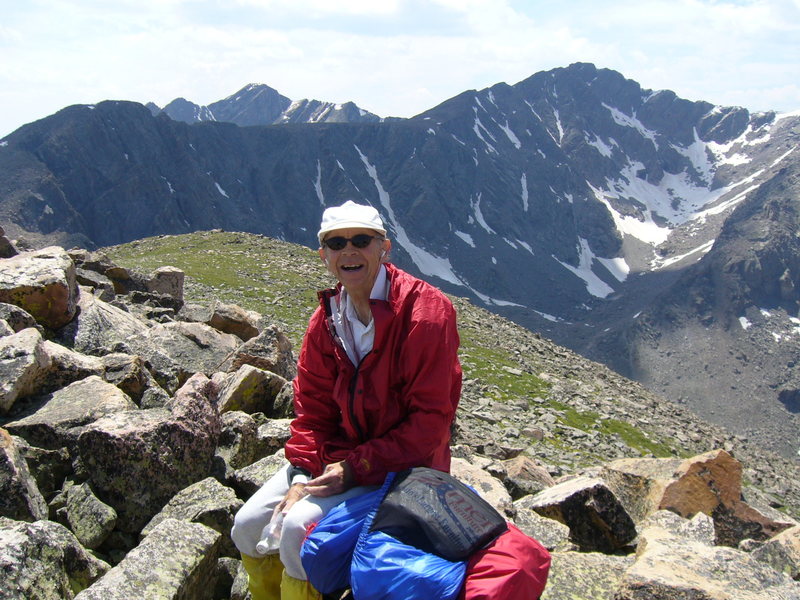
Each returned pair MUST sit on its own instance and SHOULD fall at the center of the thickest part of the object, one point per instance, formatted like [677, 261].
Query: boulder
[7, 248]
[710, 483]
[17, 318]
[524, 476]
[177, 561]
[43, 283]
[552, 534]
[67, 366]
[207, 502]
[101, 286]
[100, 326]
[89, 519]
[167, 281]
[176, 351]
[584, 576]
[49, 467]
[237, 444]
[129, 373]
[672, 566]
[488, 487]
[270, 350]
[136, 461]
[234, 319]
[596, 519]
[782, 552]
[250, 390]
[54, 421]
[44, 561]
[248, 480]
[272, 436]
[23, 363]
[20, 498]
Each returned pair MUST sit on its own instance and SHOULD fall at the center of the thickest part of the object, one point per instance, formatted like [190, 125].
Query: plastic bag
[271, 535]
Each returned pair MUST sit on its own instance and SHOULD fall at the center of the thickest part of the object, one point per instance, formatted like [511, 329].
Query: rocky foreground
[135, 424]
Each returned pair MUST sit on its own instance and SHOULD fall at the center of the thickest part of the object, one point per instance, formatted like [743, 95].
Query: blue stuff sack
[328, 548]
[385, 568]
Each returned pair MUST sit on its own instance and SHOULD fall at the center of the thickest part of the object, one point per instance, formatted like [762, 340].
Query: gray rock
[248, 480]
[23, 362]
[700, 528]
[17, 318]
[177, 561]
[549, 532]
[782, 552]
[99, 326]
[54, 420]
[43, 283]
[488, 487]
[101, 286]
[20, 498]
[584, 576]
[129, 373]
[271, 351]
[523, 476]
[89, 519]
[596, 519]
[49, 467]
[250, 390]
[207, 502]
[137, 460]
[167, 281]
[272, 436]
[669, 566]
[237, 444]
[44, 561]
[234, 319]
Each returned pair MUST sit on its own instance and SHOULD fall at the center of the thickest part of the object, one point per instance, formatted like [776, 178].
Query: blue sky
[391, 57]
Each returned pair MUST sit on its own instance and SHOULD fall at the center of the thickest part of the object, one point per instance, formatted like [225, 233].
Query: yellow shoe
[297, 589]
[264, 576]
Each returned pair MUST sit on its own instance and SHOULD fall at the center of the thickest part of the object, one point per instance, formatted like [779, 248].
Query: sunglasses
[362, 240]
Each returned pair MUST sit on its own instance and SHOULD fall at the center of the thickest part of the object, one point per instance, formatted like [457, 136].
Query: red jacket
[394, 410]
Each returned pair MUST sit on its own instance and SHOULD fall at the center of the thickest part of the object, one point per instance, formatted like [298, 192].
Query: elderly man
[378, 383]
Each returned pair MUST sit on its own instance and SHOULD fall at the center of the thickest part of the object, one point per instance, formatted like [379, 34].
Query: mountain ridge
[571, 202]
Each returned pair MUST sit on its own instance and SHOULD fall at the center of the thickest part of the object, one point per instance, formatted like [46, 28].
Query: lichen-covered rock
[17, 318]
[99, 326]
[43, 561]
[43, 283]
[177, 561]
[234, 319]
[23, 362]
[246, 481]
[490, 488]
[250, 390]
[207, 502]
[237, 444]
[552, 534]
[137, 460]
[20, 497]
[596, 519]
[782, 552]
[523, 476]
[584, 576]
[271, 351]
[89, 519]
[129, 373]
[167, 281]
[272, 436]
[671, 566]
[49, 467]
[54, 421]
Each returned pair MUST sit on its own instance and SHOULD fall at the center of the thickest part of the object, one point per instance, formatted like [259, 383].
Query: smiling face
[356, 268]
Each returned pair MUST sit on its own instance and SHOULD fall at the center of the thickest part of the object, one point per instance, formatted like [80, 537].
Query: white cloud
[392, 57]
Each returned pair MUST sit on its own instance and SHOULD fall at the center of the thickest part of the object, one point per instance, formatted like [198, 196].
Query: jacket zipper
[352, 400]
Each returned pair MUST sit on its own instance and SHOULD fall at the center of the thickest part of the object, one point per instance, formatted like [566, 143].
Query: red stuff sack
[513, 567]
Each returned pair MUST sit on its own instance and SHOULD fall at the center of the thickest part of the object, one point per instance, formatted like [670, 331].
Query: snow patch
[594, 285]
[616, 266]
[3, 144]
[511, 136]
[598, 143]
[524, 182]
[466, 237]
[169, 185]
[661, 263]
[745, 323]
[476, 210]
[318, 185]
[220, 190]
[428, 263]
[620, 118]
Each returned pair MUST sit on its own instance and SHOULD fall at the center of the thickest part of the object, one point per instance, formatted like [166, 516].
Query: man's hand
[337, 478]
[296, 492]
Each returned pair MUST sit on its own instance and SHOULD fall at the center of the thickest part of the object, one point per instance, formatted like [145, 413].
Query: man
[377, 387]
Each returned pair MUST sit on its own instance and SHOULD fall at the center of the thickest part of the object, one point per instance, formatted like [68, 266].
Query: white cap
[350, 215]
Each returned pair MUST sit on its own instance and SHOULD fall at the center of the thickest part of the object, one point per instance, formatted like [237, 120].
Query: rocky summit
[138, 412]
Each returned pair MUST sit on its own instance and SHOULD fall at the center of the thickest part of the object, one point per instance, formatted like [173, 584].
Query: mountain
[630, 225]
[258, 104]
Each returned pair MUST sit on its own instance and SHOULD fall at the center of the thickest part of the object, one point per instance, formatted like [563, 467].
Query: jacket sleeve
[316, 414]
[432, 375]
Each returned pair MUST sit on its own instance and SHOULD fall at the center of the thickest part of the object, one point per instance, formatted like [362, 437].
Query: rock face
[125, 454]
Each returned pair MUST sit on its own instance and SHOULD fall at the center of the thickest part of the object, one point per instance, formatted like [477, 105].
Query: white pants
[256, 513]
